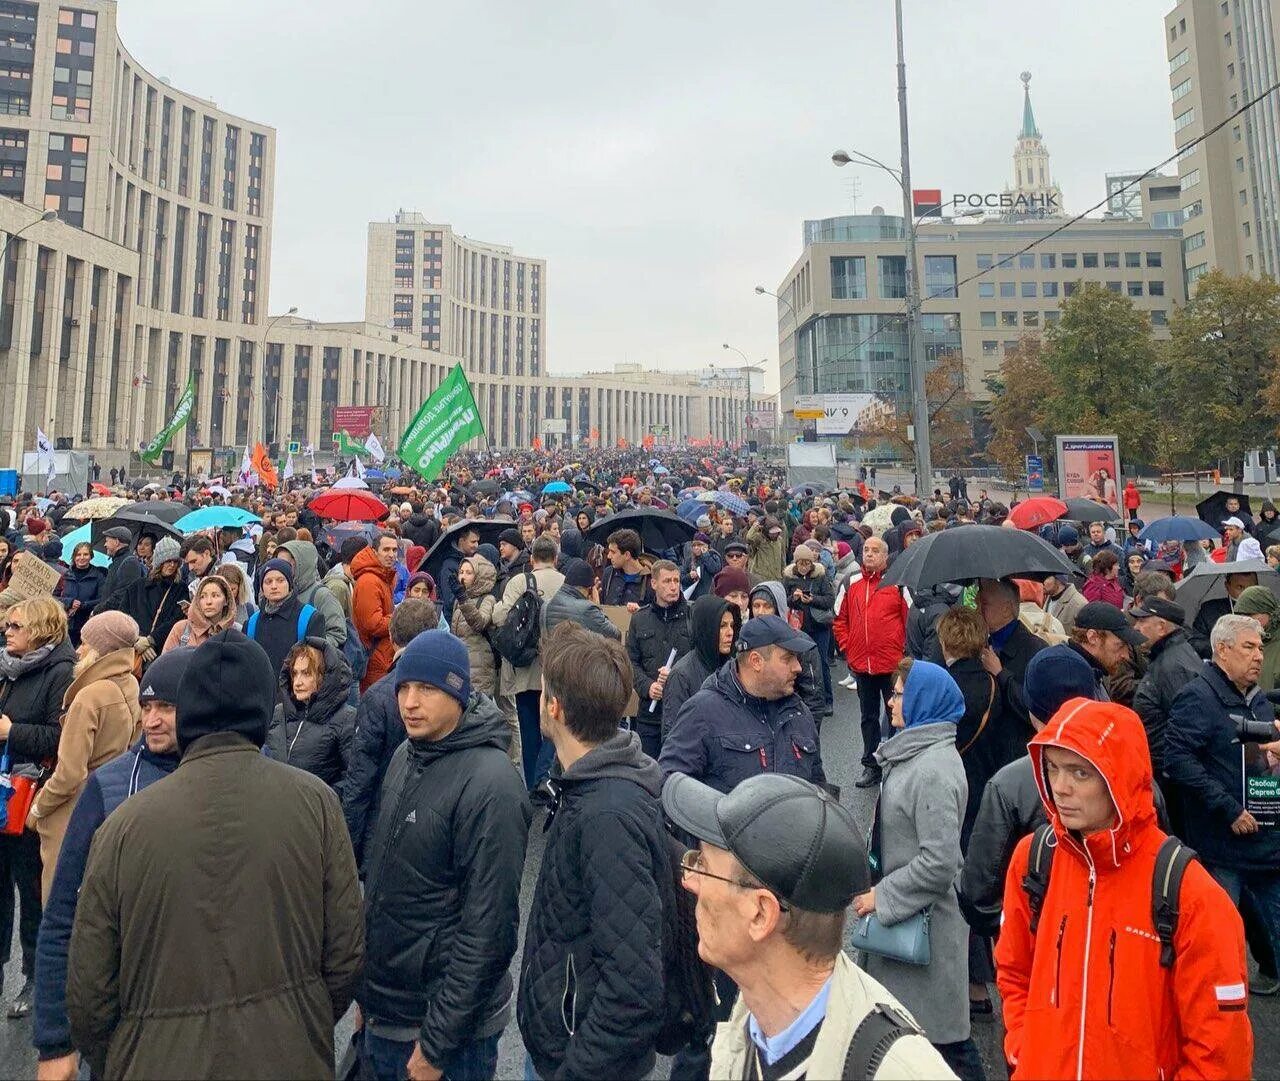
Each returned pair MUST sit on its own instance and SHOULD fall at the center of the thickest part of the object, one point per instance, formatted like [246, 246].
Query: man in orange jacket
[371, 604]
[1086, 996]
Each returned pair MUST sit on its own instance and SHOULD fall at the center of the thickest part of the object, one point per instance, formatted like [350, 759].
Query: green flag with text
[445, 422]
[181, 414]
[349, 444]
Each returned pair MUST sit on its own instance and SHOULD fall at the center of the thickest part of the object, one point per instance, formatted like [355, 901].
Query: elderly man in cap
[126, 568]
[700, 567]
[777, 864]
[1171, 664]
[736, 556]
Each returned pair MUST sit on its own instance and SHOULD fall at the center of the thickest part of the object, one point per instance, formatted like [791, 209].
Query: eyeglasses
[692, 863]
[11, 626]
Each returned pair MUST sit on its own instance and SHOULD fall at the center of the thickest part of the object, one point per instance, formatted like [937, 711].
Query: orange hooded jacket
[1085, 997]
[371, 608]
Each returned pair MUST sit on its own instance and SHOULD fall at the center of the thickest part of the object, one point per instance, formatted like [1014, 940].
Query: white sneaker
[849, 682]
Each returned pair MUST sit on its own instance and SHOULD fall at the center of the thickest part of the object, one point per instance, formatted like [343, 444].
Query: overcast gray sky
[660, 156]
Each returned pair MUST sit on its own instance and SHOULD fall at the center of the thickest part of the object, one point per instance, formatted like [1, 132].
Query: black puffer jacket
[691, 670]
[421, 529]
[316, 736]
[817, 583]
[1172, 664]
[33, 701]
[654, 632]
[591, 990]
[153, 603]
[276, 631]
[443, 887]
[378, 732]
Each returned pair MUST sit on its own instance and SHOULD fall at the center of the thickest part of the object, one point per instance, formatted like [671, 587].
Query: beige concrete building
[160, 262]
[1222, 54]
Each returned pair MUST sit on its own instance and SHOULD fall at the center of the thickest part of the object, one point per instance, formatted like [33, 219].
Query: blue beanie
[438, 659]
[1054, 676]
[281, 565]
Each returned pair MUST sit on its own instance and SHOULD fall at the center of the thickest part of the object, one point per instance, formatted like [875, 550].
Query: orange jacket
[371, 607]
[1086, 996]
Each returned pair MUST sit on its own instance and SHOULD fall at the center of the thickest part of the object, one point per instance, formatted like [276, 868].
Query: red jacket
[1097, 588]
[871, 626]
[371, 608]
[1086, 997]
[1132, 497]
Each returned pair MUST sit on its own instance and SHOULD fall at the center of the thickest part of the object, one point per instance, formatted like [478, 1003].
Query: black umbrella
[658, 529]
[486, 487]
[1214, 509]
[141, 521]
[488, 529]
[164, 510]
[585, 485]
[976, 551]
[1090, 510]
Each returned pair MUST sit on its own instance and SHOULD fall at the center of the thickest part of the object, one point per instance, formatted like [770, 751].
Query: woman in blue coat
[81, 589]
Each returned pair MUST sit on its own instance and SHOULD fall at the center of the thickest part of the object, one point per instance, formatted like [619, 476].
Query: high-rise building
[1222, 55]
[156, 273]
[1035, 193]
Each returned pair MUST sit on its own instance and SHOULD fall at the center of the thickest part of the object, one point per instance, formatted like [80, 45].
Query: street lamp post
[276, 411]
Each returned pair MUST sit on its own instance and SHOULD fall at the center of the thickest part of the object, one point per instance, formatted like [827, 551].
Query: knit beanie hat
[731, 580]
[281, 565]
[166, 550]
[1054, 676]
[511, 537]
[438, 659]
[36, 525]
[160, 684]
[108, 631]
[579, 574]
[228, 687]
[413, 557]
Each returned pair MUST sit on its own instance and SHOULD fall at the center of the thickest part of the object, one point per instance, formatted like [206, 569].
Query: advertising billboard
[840, 412]
[1089, 468]
[761, 420]
[356, 420]
[554, 426]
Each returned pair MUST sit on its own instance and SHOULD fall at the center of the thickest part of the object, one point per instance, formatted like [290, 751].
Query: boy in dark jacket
[594, 936]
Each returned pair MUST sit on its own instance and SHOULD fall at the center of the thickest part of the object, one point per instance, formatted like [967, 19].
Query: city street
[841, 748]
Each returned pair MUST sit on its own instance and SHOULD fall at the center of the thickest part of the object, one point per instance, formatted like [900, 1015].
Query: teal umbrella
[76, 536]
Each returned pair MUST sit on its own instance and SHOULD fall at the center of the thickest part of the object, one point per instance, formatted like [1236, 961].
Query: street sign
[295, 447]
[809, 407]
[1035, 473]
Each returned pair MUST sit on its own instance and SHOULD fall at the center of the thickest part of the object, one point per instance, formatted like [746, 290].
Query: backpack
[304, 617]
[1166, 883]
[356, 654]
[516, 641]
[875, 1035]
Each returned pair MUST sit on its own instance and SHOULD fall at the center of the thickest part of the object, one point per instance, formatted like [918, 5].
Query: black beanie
[228, 687]
[164, 675]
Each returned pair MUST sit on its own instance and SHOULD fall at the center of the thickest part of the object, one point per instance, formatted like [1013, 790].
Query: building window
[1048, 261]
[986, 290]
[1182, 89]
[206, 159]
[1154, 260]
[1008, 289]
[257, 152]
[1231, 74]
[985, 261]
[1026, 261]
[1239, 165]
[1052, 317]
[1159, 318]
[989, 348]
[891, 270]
[1028, 290]
[1008, 319]
[1091, 260]
[1069, 260]
[1247, 229]
[1134, 288]
[1049, 289]
[1031, 319]
[987, 319]
[1194, 242]
[1069, 288]
[1132, 259]
[1181, 60]
[231, 163]
[1193, 210]
[939, 276]
[848, 278]
[226, 244]
[1244, 197]
[1111, 260]
[1155, 289]
[1184, 120]
[1115, 287]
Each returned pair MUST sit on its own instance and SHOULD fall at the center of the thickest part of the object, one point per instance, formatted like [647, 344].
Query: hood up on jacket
[486, 576]
[306, 564]
[776, 594]
[334, 687]
[819, 570]
[366, 562]
[1114, 742]
[930, 696]
[483, 724]
[618, 756]
[571, 544]
[704, 628]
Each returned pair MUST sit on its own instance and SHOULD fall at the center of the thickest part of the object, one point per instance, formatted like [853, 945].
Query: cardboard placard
[33, 578]
[621, 618]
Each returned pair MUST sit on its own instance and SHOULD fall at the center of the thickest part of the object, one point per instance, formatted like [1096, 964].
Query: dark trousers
[964, 1058]
[1133, 514]
[821, 636]
[650, 735]
[20, 867]
[1257, 895]
[535, 752]
[873, 696]
[385, 1060]
[693, 1062]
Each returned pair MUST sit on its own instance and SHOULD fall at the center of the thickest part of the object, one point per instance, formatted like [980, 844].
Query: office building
[1222, 54]
[157, 272]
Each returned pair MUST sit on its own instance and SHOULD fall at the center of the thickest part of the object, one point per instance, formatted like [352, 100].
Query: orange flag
[537, 442]
[264, 467]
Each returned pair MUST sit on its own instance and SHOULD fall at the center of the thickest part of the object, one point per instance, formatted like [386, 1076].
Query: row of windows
[1008, 320]
[1029, 290]
[1089, 260]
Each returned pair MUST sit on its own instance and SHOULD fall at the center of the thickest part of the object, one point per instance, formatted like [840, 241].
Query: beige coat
[100, 719]
[472, 616]
[549, 580]
[853, 994]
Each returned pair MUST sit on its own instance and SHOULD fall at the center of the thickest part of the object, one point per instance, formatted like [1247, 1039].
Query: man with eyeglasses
[777, 864]
[736, 556]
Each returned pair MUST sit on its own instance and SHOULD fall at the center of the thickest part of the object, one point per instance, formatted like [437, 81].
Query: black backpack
[1166, 883]
[516, 641]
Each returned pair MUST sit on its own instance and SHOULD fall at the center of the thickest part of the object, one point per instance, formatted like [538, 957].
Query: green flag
[445, 421]
[181, 415]
[349, 444]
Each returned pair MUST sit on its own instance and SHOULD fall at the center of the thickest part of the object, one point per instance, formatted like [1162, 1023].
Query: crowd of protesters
[282, 768]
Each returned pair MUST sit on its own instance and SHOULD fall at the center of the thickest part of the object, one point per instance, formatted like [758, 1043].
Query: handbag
[17, 794]
[795, 618]
[907, 941]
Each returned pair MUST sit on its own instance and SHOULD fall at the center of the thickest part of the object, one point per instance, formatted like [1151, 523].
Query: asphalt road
[841, 749]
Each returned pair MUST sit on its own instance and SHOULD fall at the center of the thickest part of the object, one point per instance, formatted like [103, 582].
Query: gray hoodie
[307, 586]
[809, 683]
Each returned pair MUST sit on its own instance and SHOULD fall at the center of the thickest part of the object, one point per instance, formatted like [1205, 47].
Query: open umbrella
[139, 519]
[218, 489]
[691, 510]
[215, 518]
[1208, 581]
[350, 483]
[486, 487]
[976, 551]
[624, 481]
[734, 504]
[101, 507]
[557, 487]
[349, 505]
[1090, 510]
[1033, 513]
[1213, 509]
[879, 518]
[488, 529]
[80, 536]
[658, 529]
[335, 534]
[1178, 527]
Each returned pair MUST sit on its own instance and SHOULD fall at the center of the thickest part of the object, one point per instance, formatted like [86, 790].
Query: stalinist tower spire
[1034, 193]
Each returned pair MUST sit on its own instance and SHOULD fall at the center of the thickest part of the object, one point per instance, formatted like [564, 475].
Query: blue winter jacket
[107, 787]
[379, 731]
[722, 735]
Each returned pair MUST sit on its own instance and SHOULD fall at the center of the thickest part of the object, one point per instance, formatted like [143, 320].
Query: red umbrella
[1033, 513]
[100, 489]
[626, 480]
[349, 505]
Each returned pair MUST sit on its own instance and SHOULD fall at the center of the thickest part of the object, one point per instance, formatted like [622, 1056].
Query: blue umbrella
[691, 510]
[660, 470]
[76, 536]
[734, 504]
[1179, 527]
[215, 518]
[557, 487]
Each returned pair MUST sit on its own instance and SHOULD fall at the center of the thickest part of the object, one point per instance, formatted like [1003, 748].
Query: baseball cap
[1158, 606]
[1232, 521]
[801, 844]
[772, 631]
[1101, 616]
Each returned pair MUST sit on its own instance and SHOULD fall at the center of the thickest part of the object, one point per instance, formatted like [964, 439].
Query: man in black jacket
[656, 630]
[420, 528]
[591, 982]
[1171, 665]
[442, 891]
[126, 568]
[379, 730]
[1011, 645]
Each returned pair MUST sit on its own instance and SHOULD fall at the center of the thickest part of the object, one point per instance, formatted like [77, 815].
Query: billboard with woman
[1089, 468]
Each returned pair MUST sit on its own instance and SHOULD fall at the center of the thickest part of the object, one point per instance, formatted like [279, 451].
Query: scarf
[12, 667]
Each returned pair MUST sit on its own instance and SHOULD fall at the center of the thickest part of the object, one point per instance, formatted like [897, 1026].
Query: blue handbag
[907, 941]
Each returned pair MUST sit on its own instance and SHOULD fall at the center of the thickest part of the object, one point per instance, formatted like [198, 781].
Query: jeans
[535, 759]
[873, 695]
[964, 1058]
[1263, 888]
[20, 867]
[530, 1073]
[476, 1060]
[822, 639]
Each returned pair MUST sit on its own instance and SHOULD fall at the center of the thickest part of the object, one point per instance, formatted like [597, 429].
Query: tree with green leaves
[1018, 400]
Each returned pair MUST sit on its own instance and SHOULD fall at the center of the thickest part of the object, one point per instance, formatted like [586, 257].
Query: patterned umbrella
[102, 507]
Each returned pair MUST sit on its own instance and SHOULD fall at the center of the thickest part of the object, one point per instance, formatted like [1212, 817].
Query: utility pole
[915, 333]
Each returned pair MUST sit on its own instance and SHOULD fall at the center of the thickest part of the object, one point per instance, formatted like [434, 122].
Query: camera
[1251, 730]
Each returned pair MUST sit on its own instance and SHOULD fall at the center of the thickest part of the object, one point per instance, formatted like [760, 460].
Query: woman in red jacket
[1103, 583]
[1086, 994]
[1132, 499]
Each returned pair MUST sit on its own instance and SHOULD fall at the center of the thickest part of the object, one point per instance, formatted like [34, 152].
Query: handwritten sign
[32, 577]
[621, 618]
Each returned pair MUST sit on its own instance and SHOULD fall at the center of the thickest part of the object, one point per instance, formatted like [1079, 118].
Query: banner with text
[181, 415]
[446, 420]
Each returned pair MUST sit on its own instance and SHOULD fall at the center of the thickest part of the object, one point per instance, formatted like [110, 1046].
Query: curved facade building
[157, 272]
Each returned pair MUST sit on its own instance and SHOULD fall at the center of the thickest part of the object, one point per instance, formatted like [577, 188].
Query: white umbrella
[350, 482]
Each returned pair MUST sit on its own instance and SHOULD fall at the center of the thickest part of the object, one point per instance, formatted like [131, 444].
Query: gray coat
[569, 603]
[922, 802]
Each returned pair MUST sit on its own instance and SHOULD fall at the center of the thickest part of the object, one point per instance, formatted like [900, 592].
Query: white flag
[357, 470]
[309, 451]
[246, 466]
[42, 442]
[374, 447]
[288, 466]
